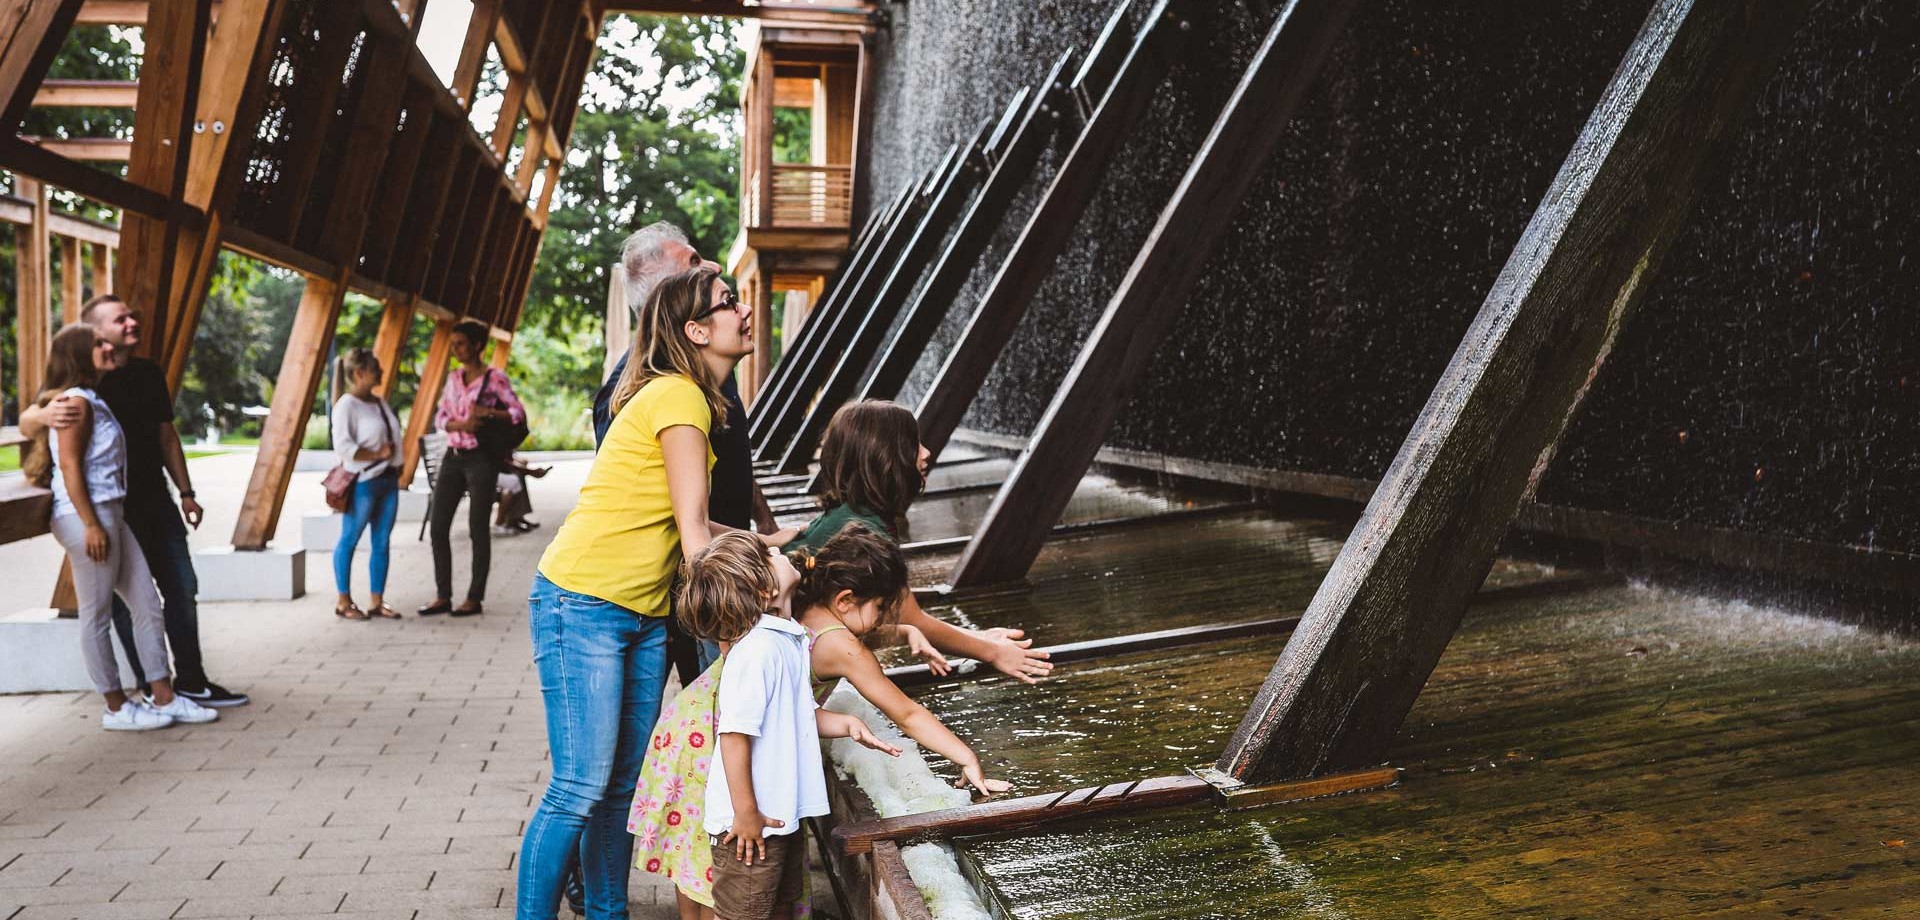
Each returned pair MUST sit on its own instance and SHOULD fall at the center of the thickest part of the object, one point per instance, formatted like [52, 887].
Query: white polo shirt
[765, 693]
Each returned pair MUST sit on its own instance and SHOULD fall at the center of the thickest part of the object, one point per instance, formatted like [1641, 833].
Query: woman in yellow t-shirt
[599, 602]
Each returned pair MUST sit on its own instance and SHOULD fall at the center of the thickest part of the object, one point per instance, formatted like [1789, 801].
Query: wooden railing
[811, 196]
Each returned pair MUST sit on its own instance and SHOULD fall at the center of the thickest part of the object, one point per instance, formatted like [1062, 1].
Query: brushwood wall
[1768, 383]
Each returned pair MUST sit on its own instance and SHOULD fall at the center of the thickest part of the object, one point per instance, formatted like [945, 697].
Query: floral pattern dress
[666, 820]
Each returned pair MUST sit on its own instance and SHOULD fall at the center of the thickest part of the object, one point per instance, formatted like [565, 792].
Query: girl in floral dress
[850, 588]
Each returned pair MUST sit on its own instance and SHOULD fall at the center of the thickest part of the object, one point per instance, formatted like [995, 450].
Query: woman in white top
[89, 484]
[366, 435]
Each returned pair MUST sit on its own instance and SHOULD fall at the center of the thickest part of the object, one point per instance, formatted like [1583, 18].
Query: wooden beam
[426, 205]
[1397, 591]
[302, 365]
[473, 51]
[109, 94]
[24, 509]
[24, 157]
[1050, 227]
[102, 269]
[426, 396]
[314, 106]
[33, 292]
[86, 149]
[31, 32]
[507, 124]
[397, 174]
[371, 134]
[1145, 307]
[86, 231]
[1015, 159]
[71, 282]
[396, 323]
[273, 252]
[842, 380]
[112, 13]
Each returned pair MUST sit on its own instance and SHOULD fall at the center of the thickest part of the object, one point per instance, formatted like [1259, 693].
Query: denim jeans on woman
[376, 501]
[601, 669]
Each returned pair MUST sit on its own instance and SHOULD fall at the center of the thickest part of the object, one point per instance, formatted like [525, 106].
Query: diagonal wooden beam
[302, 365]
[111, 94]
[473, 51]
[31, 32]
[1050, 227]
[426, 397]
[842, 380]
[1397, 591]
[1144, 308]
[316, 93]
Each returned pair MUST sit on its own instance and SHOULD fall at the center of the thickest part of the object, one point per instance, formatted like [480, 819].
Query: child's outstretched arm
[840, 725]
[839, 654]
[748, 837]
[1013, 657]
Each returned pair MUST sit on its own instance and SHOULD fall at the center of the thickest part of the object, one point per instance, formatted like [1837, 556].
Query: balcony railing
[810, 196]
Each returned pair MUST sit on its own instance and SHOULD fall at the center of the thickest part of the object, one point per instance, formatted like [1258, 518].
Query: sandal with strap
[349, 611]
[384, 612]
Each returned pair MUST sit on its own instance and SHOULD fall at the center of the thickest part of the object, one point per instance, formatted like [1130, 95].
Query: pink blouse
[457, 400]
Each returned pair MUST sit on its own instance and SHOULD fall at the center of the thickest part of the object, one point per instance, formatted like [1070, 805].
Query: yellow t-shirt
[620, 543]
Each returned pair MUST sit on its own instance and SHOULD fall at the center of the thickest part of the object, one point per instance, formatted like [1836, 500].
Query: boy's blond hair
[726, 587]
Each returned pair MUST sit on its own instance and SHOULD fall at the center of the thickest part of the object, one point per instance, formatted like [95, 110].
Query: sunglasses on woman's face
[731, 303]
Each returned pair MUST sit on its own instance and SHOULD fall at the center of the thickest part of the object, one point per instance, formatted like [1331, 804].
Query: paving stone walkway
[384, 770]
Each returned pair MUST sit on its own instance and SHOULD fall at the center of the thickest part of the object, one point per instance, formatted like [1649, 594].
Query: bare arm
[748, 836]
[839, 654]
[1014, 658]
[683, 448]
[61, 414]
[832, 724]
[72, 457]
[175, 459]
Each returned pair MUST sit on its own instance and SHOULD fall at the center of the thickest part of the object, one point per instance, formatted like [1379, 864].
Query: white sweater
[362, 424]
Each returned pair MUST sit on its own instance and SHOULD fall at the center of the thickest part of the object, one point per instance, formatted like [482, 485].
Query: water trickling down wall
[1768, 382]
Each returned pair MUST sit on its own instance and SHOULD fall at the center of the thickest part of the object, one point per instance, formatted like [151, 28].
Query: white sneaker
[134, 716]
[186, 711]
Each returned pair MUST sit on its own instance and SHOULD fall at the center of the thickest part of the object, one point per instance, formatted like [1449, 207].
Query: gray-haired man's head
[651, 254]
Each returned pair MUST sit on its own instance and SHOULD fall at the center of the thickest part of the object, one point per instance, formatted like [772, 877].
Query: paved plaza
[384, 770]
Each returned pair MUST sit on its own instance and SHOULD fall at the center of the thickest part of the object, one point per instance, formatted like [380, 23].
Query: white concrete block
[40, 653]
[320, 530]
[272, 574]
[413, 502]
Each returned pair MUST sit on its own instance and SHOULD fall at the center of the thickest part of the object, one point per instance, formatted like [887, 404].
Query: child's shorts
[769, 886]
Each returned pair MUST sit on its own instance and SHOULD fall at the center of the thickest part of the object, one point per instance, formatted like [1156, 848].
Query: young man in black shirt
[137, 393]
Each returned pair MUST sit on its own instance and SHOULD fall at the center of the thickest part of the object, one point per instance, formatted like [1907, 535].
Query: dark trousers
[163, 541]
[474, 475]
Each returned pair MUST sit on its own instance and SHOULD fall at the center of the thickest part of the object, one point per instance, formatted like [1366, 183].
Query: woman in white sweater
[366, 435]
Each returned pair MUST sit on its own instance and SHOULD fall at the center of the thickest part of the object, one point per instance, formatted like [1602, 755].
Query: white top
[106, 459]
[364, 424]
[765, 693]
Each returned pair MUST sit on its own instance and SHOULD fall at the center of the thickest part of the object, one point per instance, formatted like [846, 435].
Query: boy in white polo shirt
[769, 774]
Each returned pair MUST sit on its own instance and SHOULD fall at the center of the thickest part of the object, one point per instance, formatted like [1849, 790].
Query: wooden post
[31, 32]
[473, 51]
[301, 367]
[102, 270]
[316, 92]
[1016, 156]
[33, 280]
[502, 353]
[72, 284]
[1147, 303]
[1396, 593]
[1051, 225]
[961, 177]
[618, 329]
[509, 120]
[757, 287]
[426, 397]
[396, 321]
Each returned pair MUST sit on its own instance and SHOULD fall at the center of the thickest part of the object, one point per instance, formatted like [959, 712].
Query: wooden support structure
[112, 94]
[102, 269]
[1050, 227]
[1015, 155]
[1397, 591]
[426, 397]
[787, 414]
[396, 322]
[1032, 811]
[1144, 308]
[33, 287]
[31, 32]
[72, 284]
[961, 178]
[1083, 527]
[302, 366]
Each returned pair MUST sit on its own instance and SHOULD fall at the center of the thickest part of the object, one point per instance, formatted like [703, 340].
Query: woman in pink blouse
[475, 395]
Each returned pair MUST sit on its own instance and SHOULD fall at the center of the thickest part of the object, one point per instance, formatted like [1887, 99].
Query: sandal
[350, 611]
[385, 612]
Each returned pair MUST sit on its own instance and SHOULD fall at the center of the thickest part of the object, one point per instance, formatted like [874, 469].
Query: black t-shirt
[730, 497]
[137, 394]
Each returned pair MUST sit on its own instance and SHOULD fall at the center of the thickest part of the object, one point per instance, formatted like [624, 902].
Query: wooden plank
[507, 123]
[1400, 584]
[102, 269]
[111, 94]
[315, 104]
[33, 292]
[894, 895]
[86, 231]
[112, 13]
[302, 365]
[426, 396]
[1024, 812]
[86, 149]
[396, 323]
[1015, 160]
[473, 51]
[273, 252]
[370, 136]
[790, 410]
[1050, 227]
[395, 192]
[1142, 310]
[842, 380]
[24, 510]
[1240, 796]
[23, 156]
[31, 32]
[426, 206]
[71, 281]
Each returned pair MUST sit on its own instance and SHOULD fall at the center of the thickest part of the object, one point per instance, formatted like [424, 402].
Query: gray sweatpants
[124, 572]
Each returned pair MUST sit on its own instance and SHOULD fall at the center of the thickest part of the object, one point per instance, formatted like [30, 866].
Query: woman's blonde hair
[69, 365]
[870, 458]
[660, 345]
[725, 587]
[858, 560]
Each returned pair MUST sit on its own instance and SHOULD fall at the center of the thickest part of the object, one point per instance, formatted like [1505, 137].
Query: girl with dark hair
[473, 397]
[366, 437]
[871, 468]
[600, 599]
[89, 486]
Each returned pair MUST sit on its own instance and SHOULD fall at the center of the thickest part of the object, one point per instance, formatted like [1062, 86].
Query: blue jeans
[601, 667]
[162, 536]
[376, 502]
